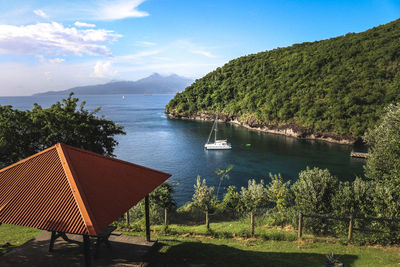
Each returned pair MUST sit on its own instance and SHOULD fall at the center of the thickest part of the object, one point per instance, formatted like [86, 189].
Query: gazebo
[64, 189]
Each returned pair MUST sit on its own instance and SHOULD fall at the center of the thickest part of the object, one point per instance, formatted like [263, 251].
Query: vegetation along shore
[332, 90]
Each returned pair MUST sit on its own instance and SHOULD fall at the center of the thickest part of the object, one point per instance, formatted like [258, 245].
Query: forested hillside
[339, 85]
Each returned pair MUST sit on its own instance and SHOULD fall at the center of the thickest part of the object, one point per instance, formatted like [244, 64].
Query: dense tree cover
[337, 85]
[383, 165]
[23, 133]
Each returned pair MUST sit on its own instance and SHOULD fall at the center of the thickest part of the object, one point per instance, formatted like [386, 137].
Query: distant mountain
[154, 84]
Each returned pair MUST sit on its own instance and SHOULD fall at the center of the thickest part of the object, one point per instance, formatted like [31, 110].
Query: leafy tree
[223, 174]
[162, 197]
[279, 194]
[231, 202]
[23, 133]
[204, 198]
[314, 192]
[252, 198]
[383, 164]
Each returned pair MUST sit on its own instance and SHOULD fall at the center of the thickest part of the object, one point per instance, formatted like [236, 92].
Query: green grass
[228, 245]
[12, 236]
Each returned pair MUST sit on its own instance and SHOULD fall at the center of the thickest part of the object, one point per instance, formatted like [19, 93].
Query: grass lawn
[12, 236]
[224, 246]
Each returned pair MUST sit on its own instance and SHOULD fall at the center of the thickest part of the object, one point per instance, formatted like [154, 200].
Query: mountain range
[153, 84]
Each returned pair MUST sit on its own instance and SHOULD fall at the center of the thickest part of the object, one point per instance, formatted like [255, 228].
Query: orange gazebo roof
[72, 190]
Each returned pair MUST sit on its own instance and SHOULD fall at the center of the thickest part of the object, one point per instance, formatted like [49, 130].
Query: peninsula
[331, 90]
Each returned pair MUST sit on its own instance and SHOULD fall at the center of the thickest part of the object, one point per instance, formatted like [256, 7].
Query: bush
[314, 192]
[281, 197]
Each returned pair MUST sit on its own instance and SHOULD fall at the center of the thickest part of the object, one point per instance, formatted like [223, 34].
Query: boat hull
[217, 147]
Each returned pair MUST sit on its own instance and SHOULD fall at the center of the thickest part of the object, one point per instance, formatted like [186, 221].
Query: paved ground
[124, 251]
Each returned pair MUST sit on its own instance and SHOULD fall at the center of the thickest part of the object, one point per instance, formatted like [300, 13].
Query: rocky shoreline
[289, 129]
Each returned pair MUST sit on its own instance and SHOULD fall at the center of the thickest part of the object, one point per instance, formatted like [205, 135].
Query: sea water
[177, 146]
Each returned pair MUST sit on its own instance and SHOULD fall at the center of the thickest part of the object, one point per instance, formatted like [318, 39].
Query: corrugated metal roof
[72, 190]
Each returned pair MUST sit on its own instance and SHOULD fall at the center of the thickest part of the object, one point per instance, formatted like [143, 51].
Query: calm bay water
[176, 146]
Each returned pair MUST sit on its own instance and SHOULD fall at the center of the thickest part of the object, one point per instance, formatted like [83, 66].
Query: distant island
[153, 84]
[331, 90]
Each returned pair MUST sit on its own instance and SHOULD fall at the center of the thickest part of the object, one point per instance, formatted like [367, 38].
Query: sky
[56, 45]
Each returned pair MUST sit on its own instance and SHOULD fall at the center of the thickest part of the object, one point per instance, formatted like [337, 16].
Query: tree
[204, 198]
[231, 201]
[314, 191]
[23, 133]
[223, 174]
[383, 164]
[280, 194]
[162, 197]
[252, 198]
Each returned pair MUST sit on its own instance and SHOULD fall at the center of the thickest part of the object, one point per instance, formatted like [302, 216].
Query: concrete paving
[124, 251]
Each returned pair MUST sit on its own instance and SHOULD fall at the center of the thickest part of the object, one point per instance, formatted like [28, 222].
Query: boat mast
[216, 128]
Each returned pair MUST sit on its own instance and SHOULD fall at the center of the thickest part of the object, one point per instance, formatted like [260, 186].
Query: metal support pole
[86, 249]
[300, 233]
[52, 239]
[147, 215]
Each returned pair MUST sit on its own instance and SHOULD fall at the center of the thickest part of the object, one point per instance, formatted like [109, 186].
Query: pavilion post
[52, 240]
[147, 215]
[86, 249]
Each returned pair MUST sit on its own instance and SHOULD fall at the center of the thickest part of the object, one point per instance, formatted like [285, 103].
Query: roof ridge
[77, 190]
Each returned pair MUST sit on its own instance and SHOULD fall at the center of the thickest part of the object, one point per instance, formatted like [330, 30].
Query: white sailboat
[218, 144]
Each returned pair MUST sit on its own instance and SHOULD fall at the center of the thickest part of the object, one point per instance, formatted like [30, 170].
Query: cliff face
[332, 90]
[288, 129]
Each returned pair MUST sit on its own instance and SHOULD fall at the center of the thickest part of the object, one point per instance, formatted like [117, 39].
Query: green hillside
[338, 85]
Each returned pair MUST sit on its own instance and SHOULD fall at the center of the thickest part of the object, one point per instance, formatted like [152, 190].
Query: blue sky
[55, 45]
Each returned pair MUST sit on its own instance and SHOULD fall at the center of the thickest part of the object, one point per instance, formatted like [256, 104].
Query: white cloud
[41, 13]
[56, 60]
[47, 75]
[103, 70]
[136, 56]
[204, 53]
[113, 10]
[54, 39]
[145, 43]
[84, 25]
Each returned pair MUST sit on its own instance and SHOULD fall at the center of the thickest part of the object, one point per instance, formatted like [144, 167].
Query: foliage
[204, 198]
[231, 202]
[338, 85]
[162, 196]
[281, 196]
[383, 164]
[23, 133]
[223, 174]
[254, 196]
[314, 191]
[354, 198]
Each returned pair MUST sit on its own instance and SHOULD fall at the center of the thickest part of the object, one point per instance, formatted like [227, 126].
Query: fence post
[147, 217]
[300, 228]
[350, 235]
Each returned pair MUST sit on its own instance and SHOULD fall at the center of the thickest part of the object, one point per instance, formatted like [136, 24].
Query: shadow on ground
[124, 251]
[202, 254]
